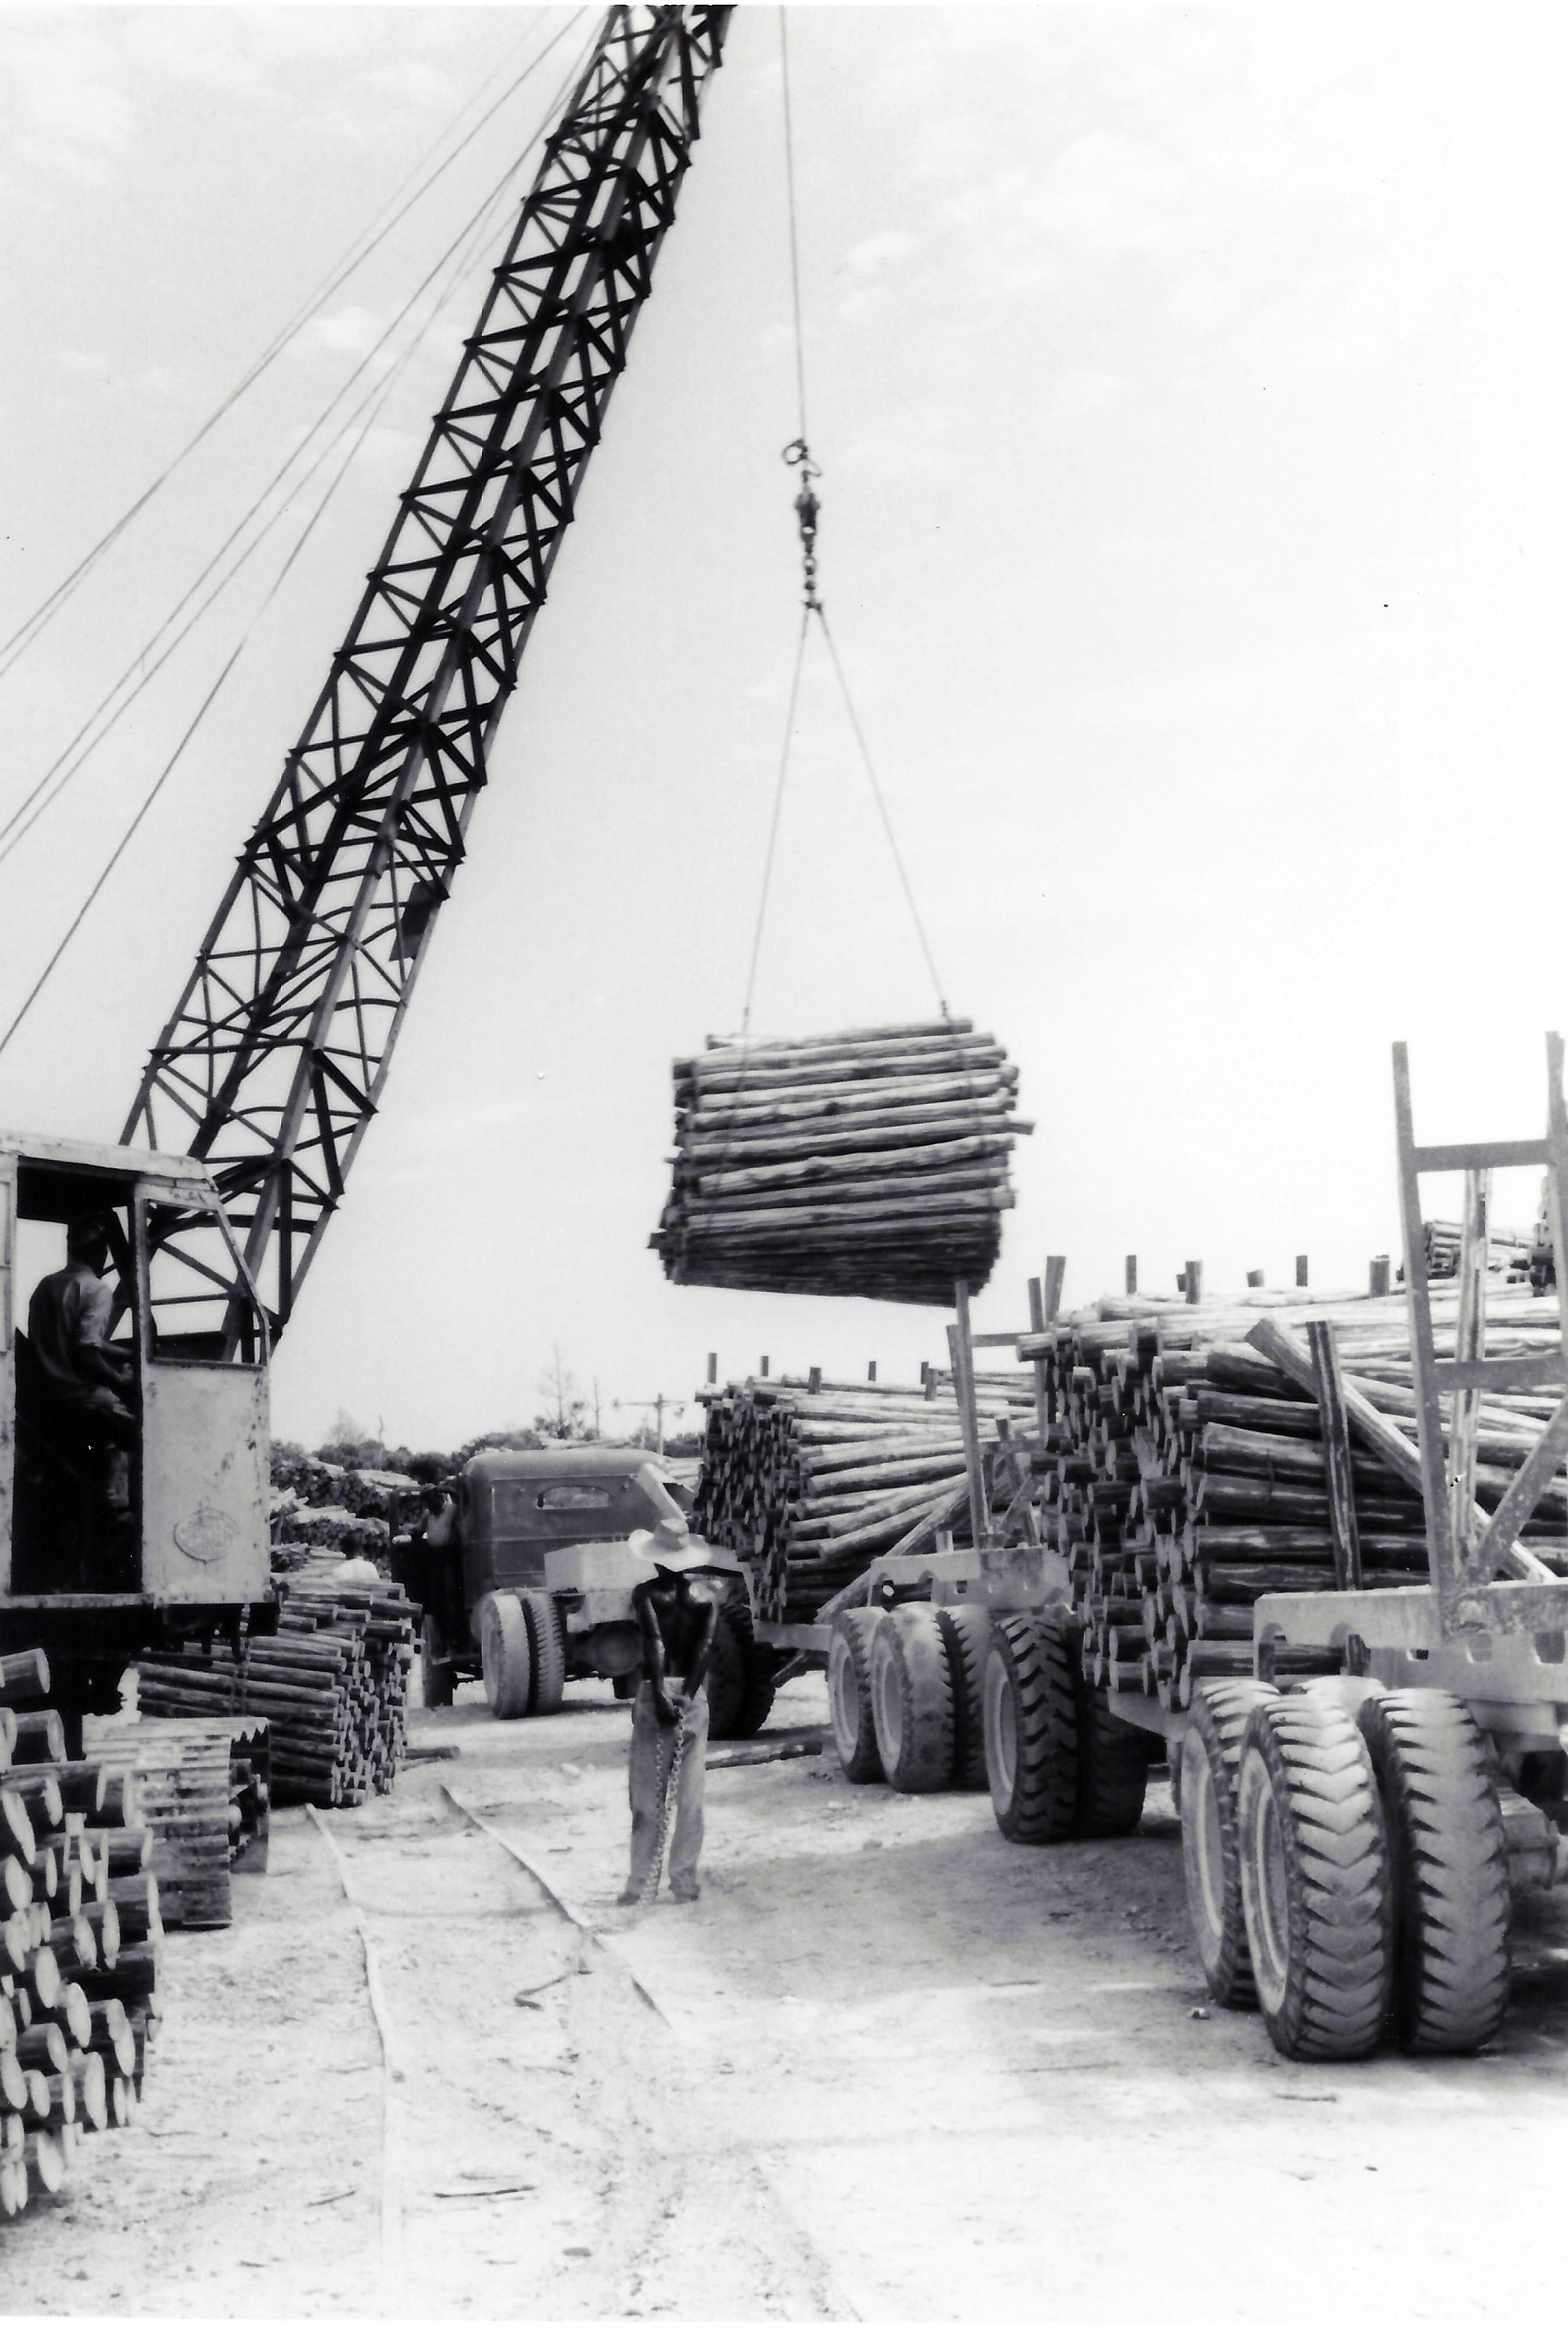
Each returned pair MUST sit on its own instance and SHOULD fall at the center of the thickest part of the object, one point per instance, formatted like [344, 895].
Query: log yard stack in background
[872, 1163]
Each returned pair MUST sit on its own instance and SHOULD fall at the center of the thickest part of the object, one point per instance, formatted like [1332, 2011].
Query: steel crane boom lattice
[272, 1065]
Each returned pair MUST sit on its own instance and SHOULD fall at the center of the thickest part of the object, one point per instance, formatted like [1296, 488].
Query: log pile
[331, 1683]
[1509, 1252]
[813, 1479]
[872, 1163]
[1186, 1475]
[80, 1930]
[204, 1789]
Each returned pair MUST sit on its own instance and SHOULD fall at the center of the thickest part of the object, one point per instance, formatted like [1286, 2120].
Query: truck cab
[526, 1575]
[94, 1565]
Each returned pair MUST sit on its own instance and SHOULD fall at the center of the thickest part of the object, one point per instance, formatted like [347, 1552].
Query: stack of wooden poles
[870, 1162]
[1186, 1474]
[1509, 1252]
[79, 1936]
[331, 1682]
[812, 1477]
[204, 1793]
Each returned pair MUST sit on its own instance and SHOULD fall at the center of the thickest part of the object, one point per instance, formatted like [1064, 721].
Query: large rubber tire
[912, 1701]
[437, 1674]
[1113, 1771]
[1449, 1857]
[1033, 1700]
[740, 1677]
[966, 1631]
[505, 1655]
[548, 1650]
[850, 1694]
[1314, 1878]
[1210, 1757]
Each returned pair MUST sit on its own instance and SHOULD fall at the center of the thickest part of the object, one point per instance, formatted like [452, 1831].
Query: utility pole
[658, 1403]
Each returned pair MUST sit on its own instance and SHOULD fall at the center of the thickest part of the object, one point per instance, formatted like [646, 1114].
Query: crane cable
[797, 455]
[15, 646]
[371, 407]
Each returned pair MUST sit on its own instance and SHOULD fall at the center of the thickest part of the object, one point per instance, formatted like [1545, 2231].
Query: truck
[525, 1577]
[1376, 1775]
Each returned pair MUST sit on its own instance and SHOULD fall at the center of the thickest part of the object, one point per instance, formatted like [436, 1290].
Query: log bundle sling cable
[80, 1932]
[1185, 1475]
[332, 1684]
[873, 1162]
[812, 1478]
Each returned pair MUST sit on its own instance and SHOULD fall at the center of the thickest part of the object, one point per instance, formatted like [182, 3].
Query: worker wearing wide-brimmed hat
[677, 1615]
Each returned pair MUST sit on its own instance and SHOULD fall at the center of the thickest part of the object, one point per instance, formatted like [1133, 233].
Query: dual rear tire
[906, 1696]
[522, 1654]
[1347, 1867]
[1058, 1764]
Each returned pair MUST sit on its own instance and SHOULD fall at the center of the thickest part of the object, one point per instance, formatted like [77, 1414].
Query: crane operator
[88, 1377]
[678, 1616]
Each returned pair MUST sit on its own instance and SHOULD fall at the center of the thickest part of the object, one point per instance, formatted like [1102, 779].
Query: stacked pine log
[331, 1682]
[1187, 1476]
[870, 1162]
[812, 1478]
[1509, 1252]
[79, 1936]
[204, 1791]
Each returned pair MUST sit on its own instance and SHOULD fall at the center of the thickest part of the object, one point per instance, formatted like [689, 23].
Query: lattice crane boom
[272, 1062]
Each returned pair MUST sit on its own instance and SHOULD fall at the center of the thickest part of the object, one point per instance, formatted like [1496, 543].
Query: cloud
[61, 96]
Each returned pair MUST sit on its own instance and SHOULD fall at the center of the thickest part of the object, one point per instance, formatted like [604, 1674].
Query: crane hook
[797, 453]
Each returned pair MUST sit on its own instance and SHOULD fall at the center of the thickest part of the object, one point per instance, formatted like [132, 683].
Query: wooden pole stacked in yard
[814, 1483]
[331, 1683]
[873, 1162]
[79, 1929]
[1187, 1475]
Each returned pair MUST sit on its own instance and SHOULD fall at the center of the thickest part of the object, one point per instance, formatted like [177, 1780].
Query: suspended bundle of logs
[203, 1790]
[1186, 1475]
[331, 1683]
[872, 1163]
[80, 1930]
[811, 1479]
[1509, 1252]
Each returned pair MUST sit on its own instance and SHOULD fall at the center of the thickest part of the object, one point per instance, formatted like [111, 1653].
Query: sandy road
[894, 2067]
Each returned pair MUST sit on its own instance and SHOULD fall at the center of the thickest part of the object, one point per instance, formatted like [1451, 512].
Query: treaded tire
[505, 1655]
[1033, 1700]
[850, 1694]
[1113, 1771]
[1206, 1772]
[437, 1676]
[912, 1701]
[1314, 1878]
[759, 1671]
[966, 1631]
[1449, 1857]
[547, 1647]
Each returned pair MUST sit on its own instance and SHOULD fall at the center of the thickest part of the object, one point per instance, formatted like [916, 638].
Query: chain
[665, 1810]
[808, 508]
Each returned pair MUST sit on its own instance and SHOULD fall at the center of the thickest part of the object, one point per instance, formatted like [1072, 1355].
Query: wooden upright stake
[1470, 1343]
[870, 1371]
[1377, 1278]
[1301, 1271]
[713, 1367]
[1193, 1283]
[1055, 1272]
[1342, 1521]
[1036, 1322]
[1132, 1274]
[961, 1354]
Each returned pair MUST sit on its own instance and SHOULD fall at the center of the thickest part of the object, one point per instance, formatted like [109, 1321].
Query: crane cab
[145, 1494]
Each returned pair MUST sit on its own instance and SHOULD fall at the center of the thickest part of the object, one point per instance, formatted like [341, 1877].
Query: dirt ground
[888, 2066]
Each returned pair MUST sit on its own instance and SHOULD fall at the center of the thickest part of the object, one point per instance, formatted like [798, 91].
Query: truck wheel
[1113, 1771]
[1210, 1755]
[966, 1631]
[547, 1651]
[504, 1655]
[1449, 1857]
[912, 1699]
[1033, 1691]
[850, 1694]
[437, 1674]
[1314, 1878]
[740, 1676]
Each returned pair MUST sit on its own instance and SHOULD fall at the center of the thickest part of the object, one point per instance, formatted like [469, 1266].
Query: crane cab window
[200, 1308]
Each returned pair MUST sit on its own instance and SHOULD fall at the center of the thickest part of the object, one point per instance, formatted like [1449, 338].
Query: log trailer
[1353, 1841]
[268, 1071]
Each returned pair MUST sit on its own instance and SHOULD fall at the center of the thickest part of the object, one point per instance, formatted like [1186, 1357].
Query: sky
[1186, 383]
